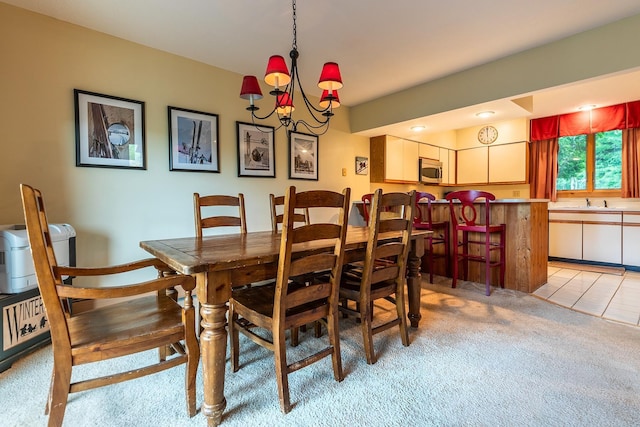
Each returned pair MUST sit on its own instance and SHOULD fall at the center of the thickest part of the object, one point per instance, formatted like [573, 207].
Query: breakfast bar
[527, 247]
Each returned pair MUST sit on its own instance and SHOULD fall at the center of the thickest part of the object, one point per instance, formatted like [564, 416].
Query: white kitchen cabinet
[508, 162]
[447, 170]
[631, 238]
[583, 235]
[393, 160]
[429, 151]
[602, 243]
[472, 166]
[565, 239]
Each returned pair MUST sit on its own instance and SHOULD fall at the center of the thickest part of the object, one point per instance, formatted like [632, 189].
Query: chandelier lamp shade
[286, 84]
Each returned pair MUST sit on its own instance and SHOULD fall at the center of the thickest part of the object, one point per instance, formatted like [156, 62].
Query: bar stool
[463, 219]
[440, 230]
[366, 206]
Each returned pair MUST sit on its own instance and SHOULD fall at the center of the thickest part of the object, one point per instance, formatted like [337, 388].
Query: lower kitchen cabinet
[589, 236]
[631, 238]
[602, 243]
[565, 240]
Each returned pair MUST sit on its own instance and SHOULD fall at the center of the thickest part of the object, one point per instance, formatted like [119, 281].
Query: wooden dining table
[222, 262]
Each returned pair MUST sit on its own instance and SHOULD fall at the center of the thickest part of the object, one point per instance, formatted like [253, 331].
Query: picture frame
[303, 156]
[362, 165]
[193, 140]
[256, 150]
[109, 131]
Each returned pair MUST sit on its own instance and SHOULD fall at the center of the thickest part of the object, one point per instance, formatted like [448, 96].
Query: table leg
[213, 347]
[413, 280]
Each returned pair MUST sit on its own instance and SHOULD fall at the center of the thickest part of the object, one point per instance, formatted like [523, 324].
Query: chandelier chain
[295, 41]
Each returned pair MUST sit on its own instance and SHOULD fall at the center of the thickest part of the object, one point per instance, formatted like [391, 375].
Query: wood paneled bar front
[527, 248]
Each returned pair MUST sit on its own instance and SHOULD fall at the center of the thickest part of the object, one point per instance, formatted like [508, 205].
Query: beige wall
[560, 62]
[43, 60]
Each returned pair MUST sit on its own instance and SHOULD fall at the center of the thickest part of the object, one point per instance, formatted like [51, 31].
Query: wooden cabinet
[526, 247]
[393, 159]
[589, 236]
[472, 166]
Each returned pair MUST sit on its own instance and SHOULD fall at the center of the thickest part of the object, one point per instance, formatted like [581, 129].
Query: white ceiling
[382, 46]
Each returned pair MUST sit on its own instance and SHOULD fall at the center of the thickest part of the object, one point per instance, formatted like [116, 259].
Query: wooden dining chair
[472, 236]
[264, 313]
[383, 272]
[150, 320]
[301, 216]
[226, 219]
[277, 216]
[440, 230]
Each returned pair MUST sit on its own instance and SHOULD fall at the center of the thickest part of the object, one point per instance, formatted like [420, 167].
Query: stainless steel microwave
[430, 171]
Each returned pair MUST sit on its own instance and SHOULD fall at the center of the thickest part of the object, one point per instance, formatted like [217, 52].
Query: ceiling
[382, 46]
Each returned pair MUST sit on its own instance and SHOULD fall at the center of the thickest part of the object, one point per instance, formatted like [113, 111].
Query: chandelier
[285, 85]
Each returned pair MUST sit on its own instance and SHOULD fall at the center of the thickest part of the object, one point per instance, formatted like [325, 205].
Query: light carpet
[504, 360]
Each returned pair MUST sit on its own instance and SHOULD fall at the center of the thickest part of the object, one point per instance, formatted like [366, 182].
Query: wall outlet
[344, 171]
[516, 193]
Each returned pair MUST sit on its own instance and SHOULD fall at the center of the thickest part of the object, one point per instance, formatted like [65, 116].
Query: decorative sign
[23, 321]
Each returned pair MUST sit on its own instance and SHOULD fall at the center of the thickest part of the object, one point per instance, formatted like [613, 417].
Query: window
[590, 163]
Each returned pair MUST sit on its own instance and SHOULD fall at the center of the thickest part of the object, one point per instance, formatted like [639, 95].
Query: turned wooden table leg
[413, 280]
[214, 290]
[213, 348]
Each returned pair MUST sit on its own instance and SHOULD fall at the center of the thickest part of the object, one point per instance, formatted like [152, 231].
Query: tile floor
[609, 296]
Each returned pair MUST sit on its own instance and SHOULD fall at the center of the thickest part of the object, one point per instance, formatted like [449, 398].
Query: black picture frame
[256, 150]
[193, 140]
[303, 156]
[110, 131]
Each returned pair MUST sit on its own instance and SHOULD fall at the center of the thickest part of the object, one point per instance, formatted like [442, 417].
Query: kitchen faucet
[588, 202]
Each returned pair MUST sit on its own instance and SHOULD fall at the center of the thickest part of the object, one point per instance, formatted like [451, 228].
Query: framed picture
[109, 131]
[303, 156]
[362, 165]
[256, 152]
[193, 141]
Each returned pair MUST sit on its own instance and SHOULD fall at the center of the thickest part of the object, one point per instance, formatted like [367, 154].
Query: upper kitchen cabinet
[429, 151]
[496, 164]
[472, 166]
[508, 163]
[493, 154]
[448, 159]
[394, 159]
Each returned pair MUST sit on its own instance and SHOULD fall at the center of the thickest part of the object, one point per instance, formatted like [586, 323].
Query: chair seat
[256, 305]
[118, 327]
[350, 288]
[479, 228]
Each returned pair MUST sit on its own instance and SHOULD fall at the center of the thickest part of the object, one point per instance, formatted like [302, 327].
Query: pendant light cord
[295, 40]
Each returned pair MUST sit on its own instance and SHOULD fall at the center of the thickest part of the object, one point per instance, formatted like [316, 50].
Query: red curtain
[544, 128]
[574, 124]
[621, 116]
[543, 169]
[608, 118]
[630, 162]
[633, 114]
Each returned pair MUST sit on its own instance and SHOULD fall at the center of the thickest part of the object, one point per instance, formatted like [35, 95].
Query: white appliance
[430, 171]
[17, 273]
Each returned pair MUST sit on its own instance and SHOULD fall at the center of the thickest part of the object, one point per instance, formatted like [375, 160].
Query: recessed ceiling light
[417, 128]
[587, 107]
[485, 114]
